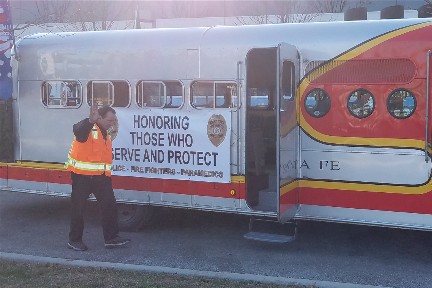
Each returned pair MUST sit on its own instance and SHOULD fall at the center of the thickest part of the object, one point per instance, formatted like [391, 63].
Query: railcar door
[288, 153]
[271, 129]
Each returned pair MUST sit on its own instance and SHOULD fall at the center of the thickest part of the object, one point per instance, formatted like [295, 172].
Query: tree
[425, 11]
[275, 12]
[298, 11]
[71, 15]
[294, 12]
[335, 6]
[40, 13]
[54, 12]
[6, 131]
[186, 9]
[100, 15]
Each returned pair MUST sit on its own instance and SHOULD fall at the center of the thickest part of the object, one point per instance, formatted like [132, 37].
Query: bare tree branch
[288, 11]
[76, 15]
[336, 6]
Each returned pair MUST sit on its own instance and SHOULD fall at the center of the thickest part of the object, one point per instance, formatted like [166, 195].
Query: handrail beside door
[428, 56]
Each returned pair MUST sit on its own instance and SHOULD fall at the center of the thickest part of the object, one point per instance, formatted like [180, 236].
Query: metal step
[267, 237]
[270, 230]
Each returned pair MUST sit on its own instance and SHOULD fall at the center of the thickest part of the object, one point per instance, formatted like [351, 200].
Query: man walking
[89, 161]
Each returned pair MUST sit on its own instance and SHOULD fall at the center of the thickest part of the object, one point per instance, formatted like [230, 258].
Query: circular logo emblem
[216, 129]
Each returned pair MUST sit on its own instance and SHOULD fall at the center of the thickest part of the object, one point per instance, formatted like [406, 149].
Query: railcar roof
[265, 35]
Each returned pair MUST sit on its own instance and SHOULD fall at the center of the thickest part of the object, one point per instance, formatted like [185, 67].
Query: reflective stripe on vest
[88, 165]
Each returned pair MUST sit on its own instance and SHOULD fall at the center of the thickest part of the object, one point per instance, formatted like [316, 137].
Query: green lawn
[20, 275]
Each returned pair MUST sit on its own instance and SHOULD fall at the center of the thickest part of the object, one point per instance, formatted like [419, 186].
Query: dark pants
[101, 187]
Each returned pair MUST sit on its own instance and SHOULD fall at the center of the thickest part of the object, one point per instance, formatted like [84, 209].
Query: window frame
[234, 104]
[399, 90]
[165, 84]
[313, 114]
[45, 100]
[268, 106]
[348, 103]
[112, 84]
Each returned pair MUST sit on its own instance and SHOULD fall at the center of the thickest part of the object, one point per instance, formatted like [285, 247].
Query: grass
[14, 275]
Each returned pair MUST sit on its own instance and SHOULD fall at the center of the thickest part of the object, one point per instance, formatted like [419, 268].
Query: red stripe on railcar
[180, 186]
[131, 183]
[3, 172]
[366, 200]
[27, 174]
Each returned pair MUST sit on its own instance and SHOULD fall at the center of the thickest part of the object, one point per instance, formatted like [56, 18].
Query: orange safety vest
[93, 157]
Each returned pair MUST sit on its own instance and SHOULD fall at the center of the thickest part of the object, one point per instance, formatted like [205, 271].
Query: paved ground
[38, 225]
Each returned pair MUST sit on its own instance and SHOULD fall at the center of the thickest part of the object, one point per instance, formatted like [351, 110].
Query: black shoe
[116, 242]
[77, 245]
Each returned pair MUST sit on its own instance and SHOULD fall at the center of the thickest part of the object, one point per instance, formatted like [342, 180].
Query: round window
[401, 103]
[361, 103]
[317, 103]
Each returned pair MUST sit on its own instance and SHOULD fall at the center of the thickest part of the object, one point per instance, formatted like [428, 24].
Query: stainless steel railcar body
[276, 164]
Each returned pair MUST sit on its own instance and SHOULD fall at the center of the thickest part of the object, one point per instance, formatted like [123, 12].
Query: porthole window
[317, 103]
[401, 103]
[361, 103]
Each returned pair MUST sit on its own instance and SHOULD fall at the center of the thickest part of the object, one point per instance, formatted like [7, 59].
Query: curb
[179, 271]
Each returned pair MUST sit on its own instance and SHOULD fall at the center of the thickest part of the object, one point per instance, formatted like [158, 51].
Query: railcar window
[162, 94]
[259, 98]
[112, 93]
[61, 94]
[226, 95]
[212, 94]
[288, 85]
[202, 94]
[317, 103]
[361, 103]
[121, 93]
[174, 96]
[151, 94]
[401, 103]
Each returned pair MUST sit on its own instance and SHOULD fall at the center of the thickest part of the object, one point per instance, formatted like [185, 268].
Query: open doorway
[261, 129]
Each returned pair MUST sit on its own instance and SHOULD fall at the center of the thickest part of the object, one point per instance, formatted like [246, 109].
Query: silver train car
[315, 121]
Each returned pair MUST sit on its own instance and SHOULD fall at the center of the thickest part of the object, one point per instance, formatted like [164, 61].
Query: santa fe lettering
[329, 165]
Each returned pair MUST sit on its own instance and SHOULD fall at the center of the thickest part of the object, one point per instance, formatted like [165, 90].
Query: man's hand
[113, 130]
[94, 114]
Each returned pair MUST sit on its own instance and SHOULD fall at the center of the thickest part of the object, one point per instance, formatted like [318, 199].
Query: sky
[25, 10]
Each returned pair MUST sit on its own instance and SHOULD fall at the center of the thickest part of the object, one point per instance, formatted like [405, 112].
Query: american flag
[6, 40]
